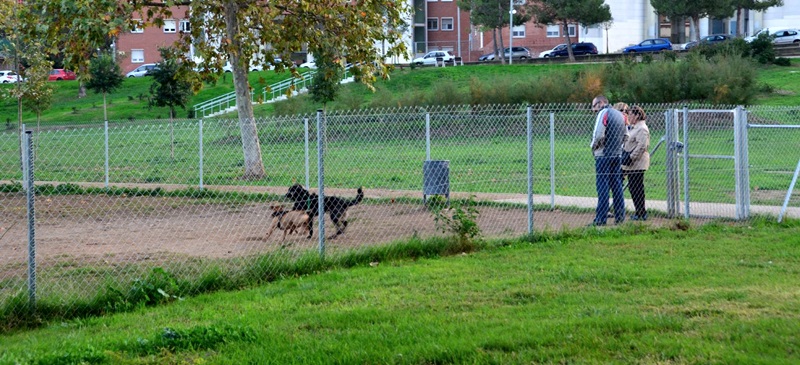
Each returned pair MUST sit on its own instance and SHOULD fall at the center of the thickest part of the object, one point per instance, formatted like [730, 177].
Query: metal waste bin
[436, 179]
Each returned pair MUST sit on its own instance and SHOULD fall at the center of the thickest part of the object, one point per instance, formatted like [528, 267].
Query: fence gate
[707, 147]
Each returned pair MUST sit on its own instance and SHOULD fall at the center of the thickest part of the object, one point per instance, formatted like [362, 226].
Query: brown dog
[290, 221]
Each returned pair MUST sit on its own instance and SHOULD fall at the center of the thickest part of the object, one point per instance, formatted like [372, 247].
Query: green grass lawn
[718, 294]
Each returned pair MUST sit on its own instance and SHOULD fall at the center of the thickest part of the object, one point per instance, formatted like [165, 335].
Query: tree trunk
[569, 42]
[253, 166]
[694, 34]
[739, 22]
[81, 90]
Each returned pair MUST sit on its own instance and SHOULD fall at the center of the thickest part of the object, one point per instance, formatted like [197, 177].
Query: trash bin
[436, 179]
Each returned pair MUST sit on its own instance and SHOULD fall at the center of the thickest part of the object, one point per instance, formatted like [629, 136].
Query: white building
[635, 21]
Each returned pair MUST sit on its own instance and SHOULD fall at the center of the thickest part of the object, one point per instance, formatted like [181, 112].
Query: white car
[254, 66]
[786, 36]
[310, 65]
[548, 53]
[430, 58]
[9, 77]
[142, 70]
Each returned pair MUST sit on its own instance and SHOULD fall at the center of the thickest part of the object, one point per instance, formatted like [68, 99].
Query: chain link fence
[115, 201]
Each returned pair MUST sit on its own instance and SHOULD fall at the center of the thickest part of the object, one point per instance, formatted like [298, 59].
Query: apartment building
[141, 45]
[442, 25]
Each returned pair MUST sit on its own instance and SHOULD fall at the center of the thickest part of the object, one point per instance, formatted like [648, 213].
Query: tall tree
[238, 31]
[494, 15]
[172, 87]
[105, 76]
[757, 5]
[564, 12]
[677, 10]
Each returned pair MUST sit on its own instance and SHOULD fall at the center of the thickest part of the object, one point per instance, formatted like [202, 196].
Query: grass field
[718, 294]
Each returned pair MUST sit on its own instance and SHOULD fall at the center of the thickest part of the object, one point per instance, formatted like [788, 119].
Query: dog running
[290, 221]
[335, 206]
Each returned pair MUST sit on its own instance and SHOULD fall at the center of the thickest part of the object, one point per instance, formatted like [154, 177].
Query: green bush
[761, 49]
[783, 61]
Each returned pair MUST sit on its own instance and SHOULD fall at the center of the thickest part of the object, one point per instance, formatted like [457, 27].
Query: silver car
[786, 36]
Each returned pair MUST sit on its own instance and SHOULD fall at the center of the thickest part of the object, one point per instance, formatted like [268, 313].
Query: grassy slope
[130, 101]
[718, 294]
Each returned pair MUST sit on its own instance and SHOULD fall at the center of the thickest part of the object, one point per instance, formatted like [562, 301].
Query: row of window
[169, 26]
[517, 31]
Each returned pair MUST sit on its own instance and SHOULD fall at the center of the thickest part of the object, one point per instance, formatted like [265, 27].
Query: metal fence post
[308, 183]
[427, 136]
[741, 164]
[200, 143]
[671, 162]
[552, 160]
[31, 196]
[321, 179]
[23, 157]
[530, 168]
[105, 132]
[686, 161]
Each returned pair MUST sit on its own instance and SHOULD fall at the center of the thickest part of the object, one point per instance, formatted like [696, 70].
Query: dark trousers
[608, 172]
[636, 187]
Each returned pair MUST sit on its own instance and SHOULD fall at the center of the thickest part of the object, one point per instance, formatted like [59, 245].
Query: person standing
[607, 138]
[638, 143]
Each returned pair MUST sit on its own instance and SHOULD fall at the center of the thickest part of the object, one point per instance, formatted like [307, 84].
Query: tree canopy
[494, 15]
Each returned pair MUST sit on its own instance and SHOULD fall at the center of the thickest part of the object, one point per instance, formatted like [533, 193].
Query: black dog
[335, 207]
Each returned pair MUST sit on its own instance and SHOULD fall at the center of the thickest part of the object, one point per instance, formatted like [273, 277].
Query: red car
[59, 74]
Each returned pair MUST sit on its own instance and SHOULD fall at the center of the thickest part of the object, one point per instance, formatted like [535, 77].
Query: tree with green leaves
[494, 15]
[756, 5]
[564, 12]
[677, 10]
[172, 86]
[239, 31]
[105, 76]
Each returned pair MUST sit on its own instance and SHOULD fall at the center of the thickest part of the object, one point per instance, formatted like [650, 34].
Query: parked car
[430, 58]
[765, 31]
[254, 66]
[709, 40]
[141, 70]
[578, 49]
[9, 77]
[549, 52]
[786, 36]
[309, 65]
[520, 53]
[649, 45]
[60, 74]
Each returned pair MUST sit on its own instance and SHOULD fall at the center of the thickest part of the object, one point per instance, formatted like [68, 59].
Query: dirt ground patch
[84, 229]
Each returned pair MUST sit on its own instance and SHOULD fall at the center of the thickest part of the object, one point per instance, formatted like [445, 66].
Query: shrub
[460, 220]
[445, 92]
[783, 61]
[761, 49]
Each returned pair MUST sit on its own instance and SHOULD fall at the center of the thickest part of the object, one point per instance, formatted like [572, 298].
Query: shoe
[616, 223]
[596, 224]
[635, 217]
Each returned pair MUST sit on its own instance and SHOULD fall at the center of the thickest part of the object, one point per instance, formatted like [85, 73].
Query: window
[184, 26]
[518, 31]
[169, 26]
[572, 28]
[447, 23]
[137, 26]
[553, 31]
[433, 23]
[137, 56]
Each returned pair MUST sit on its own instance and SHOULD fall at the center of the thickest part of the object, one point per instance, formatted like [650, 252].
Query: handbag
[626, 158]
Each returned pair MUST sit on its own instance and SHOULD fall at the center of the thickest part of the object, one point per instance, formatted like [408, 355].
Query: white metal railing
[271, 93]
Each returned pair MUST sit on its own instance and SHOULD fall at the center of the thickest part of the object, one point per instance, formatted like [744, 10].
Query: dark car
[578, 49]
[709, 40]
[60, 74]
[649, 45]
